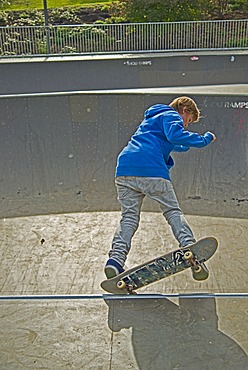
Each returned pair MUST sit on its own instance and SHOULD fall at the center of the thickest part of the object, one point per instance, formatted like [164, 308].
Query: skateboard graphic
[164, 266]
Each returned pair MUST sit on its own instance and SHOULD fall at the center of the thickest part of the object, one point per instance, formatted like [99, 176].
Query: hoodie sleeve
[180, 148]
[177, 135]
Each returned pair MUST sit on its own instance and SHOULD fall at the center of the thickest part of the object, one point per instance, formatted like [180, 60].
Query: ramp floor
[72, 324]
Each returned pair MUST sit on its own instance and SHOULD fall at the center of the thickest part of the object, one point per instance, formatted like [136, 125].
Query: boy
[143, 170]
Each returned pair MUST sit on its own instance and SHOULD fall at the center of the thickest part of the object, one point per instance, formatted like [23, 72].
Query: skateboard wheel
[188, 255]
[198, 269]
[200, 273]
[121, 284]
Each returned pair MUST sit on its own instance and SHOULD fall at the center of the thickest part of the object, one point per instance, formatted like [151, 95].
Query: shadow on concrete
[166, 335]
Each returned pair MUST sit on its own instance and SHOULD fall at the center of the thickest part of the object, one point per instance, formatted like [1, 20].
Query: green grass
[38, 4]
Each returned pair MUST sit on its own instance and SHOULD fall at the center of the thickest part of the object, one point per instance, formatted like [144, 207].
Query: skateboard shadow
[169, 336]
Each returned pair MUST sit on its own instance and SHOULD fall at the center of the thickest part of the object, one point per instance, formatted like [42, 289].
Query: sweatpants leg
[163, 192]
[130, 200]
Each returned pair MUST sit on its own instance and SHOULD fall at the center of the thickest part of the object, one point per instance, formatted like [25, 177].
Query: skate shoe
[112, 268]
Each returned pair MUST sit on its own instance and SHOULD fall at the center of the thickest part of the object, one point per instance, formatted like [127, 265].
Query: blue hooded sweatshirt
[147, 154]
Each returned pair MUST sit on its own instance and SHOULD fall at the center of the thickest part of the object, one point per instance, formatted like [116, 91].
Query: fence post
[47, 27]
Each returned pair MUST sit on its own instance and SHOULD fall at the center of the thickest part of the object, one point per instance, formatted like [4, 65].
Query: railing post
[47, 27]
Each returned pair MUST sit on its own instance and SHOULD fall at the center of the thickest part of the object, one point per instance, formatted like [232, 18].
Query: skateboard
[164, 266]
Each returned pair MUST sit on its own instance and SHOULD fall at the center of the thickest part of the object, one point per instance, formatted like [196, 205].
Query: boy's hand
[214, 137]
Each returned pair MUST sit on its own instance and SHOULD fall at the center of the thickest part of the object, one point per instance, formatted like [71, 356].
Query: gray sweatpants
[131, 192]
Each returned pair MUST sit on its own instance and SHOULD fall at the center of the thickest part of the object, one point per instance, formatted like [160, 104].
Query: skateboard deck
[164, 266]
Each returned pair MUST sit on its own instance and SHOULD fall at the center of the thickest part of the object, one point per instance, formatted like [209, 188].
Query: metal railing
[123, 38]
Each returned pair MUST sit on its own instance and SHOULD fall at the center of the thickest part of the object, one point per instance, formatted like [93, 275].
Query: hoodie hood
[157, 109]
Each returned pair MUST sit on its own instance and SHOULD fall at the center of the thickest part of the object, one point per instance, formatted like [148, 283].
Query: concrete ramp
[61, 73]
[58, 151]
[58, 215]
[54, 315]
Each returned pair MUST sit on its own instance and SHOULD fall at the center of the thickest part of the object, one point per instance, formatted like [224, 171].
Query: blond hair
[184, 101]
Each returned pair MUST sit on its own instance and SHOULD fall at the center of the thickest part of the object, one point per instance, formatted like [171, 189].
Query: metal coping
[231, 89]
[121, 296]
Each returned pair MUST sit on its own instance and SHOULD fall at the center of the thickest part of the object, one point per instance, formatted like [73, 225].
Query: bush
[3, 19]
[158, 11]
[63, 16]
[128, 11]
[25, 18]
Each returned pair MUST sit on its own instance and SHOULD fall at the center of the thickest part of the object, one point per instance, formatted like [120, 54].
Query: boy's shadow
[169, 336]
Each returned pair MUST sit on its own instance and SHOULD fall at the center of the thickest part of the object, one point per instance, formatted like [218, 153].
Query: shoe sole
[110, 272]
